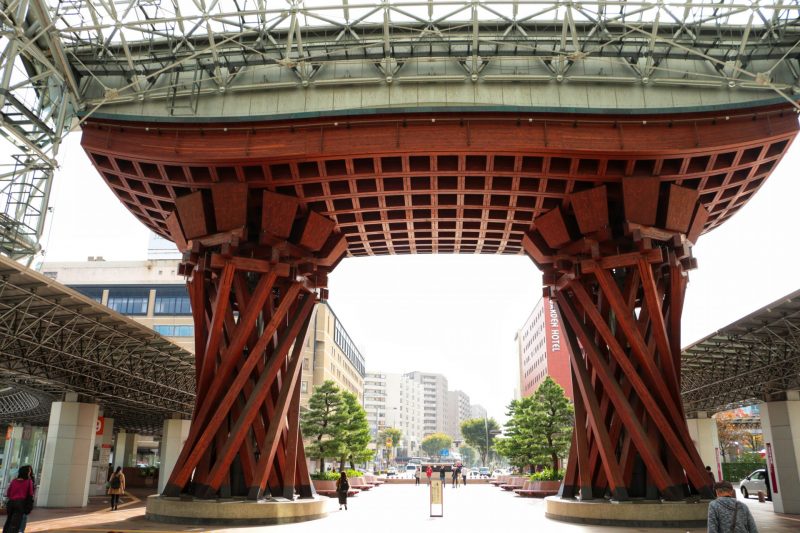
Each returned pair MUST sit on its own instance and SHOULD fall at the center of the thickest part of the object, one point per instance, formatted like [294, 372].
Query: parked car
[484, 472]
[474, 472]
[756, 481]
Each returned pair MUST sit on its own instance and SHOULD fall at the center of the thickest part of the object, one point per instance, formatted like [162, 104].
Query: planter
[546, 486]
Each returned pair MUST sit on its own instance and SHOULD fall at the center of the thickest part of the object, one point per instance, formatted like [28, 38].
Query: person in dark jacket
[726, 515]
[19, 491]
[342, 489]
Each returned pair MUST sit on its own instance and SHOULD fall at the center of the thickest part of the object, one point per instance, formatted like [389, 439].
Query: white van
[410, 468]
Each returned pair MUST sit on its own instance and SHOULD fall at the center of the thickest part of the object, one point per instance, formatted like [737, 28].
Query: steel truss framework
[53, 339]
[62, 57]
[754, 359]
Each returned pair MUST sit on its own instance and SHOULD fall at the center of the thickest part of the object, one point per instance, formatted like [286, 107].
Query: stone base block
[628, 514]
[235, 512]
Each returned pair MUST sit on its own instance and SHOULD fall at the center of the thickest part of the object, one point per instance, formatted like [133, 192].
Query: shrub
[353, 473]
[548, 474]
[325, 476]
[738, 471]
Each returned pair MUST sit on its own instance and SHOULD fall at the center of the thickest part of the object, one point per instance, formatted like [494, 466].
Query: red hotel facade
[542, 350]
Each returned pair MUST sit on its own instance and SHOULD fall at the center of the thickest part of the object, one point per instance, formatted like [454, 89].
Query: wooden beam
[591, 209]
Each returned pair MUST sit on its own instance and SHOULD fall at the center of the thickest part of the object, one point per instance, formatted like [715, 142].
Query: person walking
[342, 489]
[20, 499]
[710, 474]
[726, 515]
[28, 503]
[416, 475]
[463, 472]
[116, 487]
[441, 476]
[429, 473]
[454, 476]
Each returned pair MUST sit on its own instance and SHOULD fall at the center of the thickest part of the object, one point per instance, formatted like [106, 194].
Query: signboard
[437, 497]
[771, 465]
[719, 464]
[444, 452]
[99, 425]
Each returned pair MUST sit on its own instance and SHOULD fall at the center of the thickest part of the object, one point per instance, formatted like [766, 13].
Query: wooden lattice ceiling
[440, 183]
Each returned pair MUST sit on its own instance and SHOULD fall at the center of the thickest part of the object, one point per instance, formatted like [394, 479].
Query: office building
[330, 354]
[434, 401]
[458, 410]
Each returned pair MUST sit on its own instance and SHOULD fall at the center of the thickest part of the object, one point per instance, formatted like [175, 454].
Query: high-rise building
[394, 400]
[477, 411]
[458, 410]
[434, 401]
[330, 354]
[543, 350]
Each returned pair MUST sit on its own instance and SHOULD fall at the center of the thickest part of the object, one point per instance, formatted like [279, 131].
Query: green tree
[388, 434]
[539, 428]
[324, 422]
[468, 455]
[356, 435]
[479, 433]
[394, 434]
[518, 443]
[434, 443]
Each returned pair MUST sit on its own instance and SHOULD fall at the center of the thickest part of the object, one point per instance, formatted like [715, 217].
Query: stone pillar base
[235, 512]
[628, 514]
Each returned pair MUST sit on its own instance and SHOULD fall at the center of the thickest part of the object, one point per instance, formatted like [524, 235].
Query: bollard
[762, 496]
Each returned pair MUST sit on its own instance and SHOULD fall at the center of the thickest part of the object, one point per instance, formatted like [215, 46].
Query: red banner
[100, 425]
[771, 465]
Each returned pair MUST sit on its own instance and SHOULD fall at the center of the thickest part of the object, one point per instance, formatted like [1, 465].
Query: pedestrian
[342, 489]
[429, 473]
[20, 499]
[416, 475]
[441, 476]
[726, 515]
[116, 487]
[454, 476]
[28, 504]
[710, 474]
[463, 476]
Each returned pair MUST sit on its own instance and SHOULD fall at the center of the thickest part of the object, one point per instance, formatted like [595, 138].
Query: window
[95, 293]
[129, 300]
[304, 386]
[175, 331]
[172, 301]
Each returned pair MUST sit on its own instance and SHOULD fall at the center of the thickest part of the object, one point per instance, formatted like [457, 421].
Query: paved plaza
[387, 509]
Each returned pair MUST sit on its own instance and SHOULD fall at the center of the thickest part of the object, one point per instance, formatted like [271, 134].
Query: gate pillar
[256, 263]
[615, 259]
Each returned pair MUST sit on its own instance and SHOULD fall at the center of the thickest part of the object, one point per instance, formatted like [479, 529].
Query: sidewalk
[390, 508]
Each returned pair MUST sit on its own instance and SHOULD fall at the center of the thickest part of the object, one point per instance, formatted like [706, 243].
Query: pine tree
[324, 422]
[356, 436]
[552, 421]
[539, 428]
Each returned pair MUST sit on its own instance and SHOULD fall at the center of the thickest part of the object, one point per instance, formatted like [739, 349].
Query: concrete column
[174, 435]
[703, 431]
[125, 448]
[68, 455]
[102, 451]
[780, 422]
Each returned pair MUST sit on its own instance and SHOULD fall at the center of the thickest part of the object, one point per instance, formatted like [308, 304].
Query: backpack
[115, 482]
[344, 486]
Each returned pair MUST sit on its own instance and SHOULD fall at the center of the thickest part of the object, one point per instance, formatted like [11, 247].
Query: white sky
[458, 315]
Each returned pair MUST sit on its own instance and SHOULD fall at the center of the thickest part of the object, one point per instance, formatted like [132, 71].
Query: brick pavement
[386, 509]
